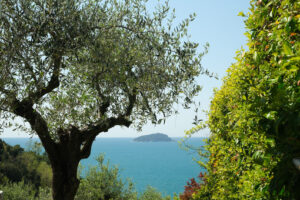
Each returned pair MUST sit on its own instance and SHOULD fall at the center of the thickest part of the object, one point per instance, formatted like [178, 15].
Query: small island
[155, 137]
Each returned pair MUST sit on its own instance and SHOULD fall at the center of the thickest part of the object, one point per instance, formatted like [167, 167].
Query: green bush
[31, 166]
[152, 194]
[18, 191]
[254, 117]
[103, 182]
[44, 193]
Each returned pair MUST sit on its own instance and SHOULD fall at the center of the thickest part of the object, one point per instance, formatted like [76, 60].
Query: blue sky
[216, 23]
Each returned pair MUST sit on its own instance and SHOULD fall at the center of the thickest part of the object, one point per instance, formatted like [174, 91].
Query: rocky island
[155, 137]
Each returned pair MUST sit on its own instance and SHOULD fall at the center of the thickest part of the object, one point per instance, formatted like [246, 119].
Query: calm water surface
[163, 165]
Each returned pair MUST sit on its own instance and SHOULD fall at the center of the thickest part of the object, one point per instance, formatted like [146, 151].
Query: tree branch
[148, 106]
[106, 103]
[38, 124]
[53, 83]
[91, 132]
[132, 100]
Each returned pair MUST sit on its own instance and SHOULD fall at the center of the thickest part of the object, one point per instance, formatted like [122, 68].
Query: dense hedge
[255, 116]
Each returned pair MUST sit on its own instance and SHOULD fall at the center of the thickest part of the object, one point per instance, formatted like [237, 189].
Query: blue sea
[162, 165]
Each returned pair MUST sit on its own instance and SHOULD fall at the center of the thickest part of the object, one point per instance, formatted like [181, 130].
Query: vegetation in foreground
[26, 181]
[31, 166]
[254, 117]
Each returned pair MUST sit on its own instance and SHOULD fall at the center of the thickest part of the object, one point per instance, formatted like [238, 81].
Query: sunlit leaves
[102, 54]
[254, 117]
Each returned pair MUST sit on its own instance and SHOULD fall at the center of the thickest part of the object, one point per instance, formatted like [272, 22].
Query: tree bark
[65, 183]
[64, 165]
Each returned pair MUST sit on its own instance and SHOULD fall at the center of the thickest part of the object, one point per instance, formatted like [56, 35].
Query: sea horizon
[162, 165]
[102, 137]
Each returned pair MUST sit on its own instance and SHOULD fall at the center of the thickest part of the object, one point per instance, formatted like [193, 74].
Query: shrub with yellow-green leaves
[254, 117]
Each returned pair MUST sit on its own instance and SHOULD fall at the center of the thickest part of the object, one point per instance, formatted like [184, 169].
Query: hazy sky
[216, 23]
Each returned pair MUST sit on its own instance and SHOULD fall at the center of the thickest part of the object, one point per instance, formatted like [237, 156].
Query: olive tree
[73, 69]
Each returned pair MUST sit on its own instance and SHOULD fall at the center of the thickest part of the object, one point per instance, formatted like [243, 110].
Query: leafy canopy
[82, 63]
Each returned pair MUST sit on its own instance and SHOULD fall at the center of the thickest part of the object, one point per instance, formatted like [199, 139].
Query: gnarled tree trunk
[64, 164]
[65, 182]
